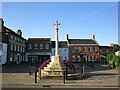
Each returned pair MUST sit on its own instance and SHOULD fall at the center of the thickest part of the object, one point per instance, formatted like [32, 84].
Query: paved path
[100, 76]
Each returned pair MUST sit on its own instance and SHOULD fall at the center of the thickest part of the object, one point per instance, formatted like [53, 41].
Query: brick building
[104, 50]
[15, 44]
[38, 49]
[83, 49]
[41, 49]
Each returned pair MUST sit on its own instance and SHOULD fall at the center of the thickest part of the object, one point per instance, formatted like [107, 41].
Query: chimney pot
[67, 37]
[93, 36]
[19, 32]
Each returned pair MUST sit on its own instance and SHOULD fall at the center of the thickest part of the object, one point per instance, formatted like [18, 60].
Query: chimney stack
[67, 37]
[93, 37]
[19, 32]
[1, 24]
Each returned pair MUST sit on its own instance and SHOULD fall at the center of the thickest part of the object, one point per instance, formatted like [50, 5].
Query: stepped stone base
[54, 68]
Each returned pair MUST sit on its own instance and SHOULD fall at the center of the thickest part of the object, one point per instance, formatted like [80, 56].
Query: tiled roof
[101, 47]
[62, 44]
[7, 30]
[48, 40]
[82, 41]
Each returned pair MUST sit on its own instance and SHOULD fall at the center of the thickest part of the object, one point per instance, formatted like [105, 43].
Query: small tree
[109, 57]
[117, 63]
[114, 60]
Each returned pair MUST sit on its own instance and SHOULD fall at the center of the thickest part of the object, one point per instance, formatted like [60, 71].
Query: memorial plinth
[56, 66]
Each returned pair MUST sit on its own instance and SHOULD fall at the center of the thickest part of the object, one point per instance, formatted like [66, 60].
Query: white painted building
[63, 50]
[117, 53]
[3, 53]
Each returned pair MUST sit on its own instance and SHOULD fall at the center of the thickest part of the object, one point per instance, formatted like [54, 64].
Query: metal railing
[65, 73]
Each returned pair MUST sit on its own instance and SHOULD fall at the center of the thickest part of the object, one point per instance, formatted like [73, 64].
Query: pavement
[101, 76]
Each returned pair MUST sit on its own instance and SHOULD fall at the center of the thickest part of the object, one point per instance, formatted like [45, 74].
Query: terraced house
[83, 49]
[38, 49]
[15, 45]
[41, 49]
[14, 48]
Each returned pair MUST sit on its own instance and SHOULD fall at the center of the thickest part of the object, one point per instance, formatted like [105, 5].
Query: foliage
[109, 57]
[114, 60]
[116, 46]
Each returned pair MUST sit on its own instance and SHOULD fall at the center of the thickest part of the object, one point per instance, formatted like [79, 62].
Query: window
[15, 38]
[83, 48]
[18, 39]
[94, 49]
[15, 57]
[94, 58]
[0, 59]
[11, 56]
[12, 37]
[84, 58]
[73, 49]
[0, 46]
[35, 46]
[20, 49]
[47, 46]
[90, 58]
[78, 49]
[65, 58]
[23, 49]
[78, 58]
[23, 58]
[41, 46]
[65, 51]
[21, 40]
[11, 46]
[14, 47]
[73, 58]
[29, 46]
[89, 49]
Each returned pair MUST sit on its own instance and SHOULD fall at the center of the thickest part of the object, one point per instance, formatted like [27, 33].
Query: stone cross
[57, 48]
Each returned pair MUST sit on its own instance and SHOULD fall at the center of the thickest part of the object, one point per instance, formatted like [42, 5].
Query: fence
[65, 73]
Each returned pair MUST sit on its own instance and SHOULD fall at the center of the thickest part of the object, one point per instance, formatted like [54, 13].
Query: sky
[80, 20]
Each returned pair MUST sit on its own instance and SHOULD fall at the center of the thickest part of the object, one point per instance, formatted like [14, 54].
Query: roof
[82, 41]
[62, 44]
[7, 30]
[48, 40]
[105, 47]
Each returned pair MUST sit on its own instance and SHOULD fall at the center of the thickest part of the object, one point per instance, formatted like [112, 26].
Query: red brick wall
[76, 53]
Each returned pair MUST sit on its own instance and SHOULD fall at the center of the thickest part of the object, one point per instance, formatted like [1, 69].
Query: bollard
[64, 77]
[39, 73]
[83, 69]
[66, 73]
[35, 76]
[30, 73]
